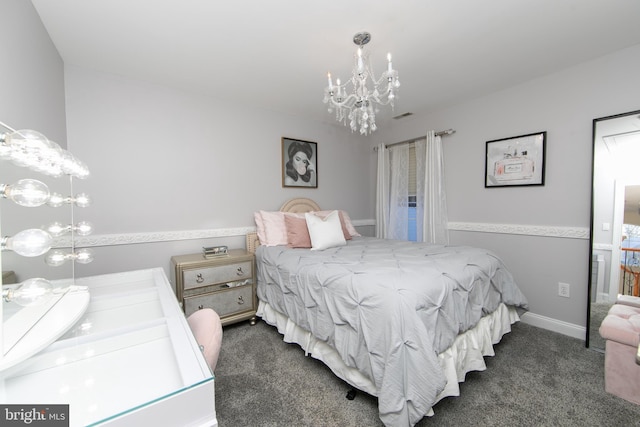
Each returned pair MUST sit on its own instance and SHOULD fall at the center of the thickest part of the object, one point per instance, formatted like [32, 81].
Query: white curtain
[392, 200]
[382, 192]
[431, 200]
[393, 191]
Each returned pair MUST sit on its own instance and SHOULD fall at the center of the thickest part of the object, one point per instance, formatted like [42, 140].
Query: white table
[130, 360]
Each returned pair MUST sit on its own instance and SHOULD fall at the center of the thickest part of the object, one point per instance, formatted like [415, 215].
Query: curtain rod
[409, 141]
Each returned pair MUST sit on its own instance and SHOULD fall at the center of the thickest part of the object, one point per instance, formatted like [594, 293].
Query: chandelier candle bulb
[390, 68]
[329, 79]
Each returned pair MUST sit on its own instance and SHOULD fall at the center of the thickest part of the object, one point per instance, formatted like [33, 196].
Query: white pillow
[325, 232]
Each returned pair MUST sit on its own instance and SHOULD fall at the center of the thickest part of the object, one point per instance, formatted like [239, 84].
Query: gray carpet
[598, 313]
[536, 378]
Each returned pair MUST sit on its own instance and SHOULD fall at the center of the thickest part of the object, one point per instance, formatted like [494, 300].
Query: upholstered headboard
[300, 205]
[297, 205]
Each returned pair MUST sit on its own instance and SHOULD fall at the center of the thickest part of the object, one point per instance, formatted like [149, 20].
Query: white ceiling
[275, 54]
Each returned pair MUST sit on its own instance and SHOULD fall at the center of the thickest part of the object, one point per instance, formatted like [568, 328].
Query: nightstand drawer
[217, 274]
[225, 303]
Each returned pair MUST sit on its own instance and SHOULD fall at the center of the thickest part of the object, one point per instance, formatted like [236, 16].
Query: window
[412, 202]
[413, 231]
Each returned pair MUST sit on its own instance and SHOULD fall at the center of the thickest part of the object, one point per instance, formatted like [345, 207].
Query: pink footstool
[628, 300]
[207, 329]
[621, 329]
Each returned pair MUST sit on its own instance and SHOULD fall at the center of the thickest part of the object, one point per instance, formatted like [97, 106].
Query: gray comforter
[388, 308]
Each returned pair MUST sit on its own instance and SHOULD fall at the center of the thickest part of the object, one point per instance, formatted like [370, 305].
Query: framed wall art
[299, 163]
[514, 161]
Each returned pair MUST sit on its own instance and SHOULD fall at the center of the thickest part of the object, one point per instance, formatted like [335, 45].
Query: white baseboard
[564, 328]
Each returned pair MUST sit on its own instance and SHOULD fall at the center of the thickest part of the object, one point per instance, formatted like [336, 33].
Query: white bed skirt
[466, 354]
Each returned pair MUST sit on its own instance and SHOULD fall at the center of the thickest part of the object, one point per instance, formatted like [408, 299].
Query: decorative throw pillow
[274, 229]
[348, 224]
[325, 232]
[260, 228]
[297, 231]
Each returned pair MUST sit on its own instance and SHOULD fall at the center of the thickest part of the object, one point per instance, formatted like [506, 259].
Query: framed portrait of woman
[299, 163]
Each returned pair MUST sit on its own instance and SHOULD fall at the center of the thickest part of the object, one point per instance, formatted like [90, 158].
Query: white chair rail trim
[167, 236]
[528, 230]
[152, 237]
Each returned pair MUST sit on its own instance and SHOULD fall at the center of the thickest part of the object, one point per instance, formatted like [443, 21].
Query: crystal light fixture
[362, 103]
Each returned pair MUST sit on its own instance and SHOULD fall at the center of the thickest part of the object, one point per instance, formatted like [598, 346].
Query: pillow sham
[260, 227]
[349, 225]
[325, 232]
[274, 229]
[297, 232]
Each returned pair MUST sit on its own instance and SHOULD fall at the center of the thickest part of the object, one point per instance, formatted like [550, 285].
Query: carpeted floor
[536, 378]
[598, 313]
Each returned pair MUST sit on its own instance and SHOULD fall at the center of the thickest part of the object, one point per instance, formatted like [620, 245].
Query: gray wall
[164, 160]
[564, 104]
[33, 97]
[32, 73]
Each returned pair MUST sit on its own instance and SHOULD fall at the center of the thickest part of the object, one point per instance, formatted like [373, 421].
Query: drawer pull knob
[239, 272]
[240, 300]
[199, 278]
[200, 307]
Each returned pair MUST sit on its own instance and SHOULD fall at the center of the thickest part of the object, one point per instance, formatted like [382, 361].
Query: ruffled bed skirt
[466, 354]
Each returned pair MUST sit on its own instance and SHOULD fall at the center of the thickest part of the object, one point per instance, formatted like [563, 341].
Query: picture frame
[299, 163]
[515, 161]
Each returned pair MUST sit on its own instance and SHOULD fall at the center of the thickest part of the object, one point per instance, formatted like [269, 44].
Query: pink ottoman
[621, 329]
[628, 300]
[207, 329]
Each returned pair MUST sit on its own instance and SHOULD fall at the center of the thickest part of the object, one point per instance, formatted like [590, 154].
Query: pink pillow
[343, 224]
[297, 232]
[274, 229]
[347, 222]
[260, 227]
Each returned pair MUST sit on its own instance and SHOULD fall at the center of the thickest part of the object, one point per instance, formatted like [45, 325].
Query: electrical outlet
[564, 290]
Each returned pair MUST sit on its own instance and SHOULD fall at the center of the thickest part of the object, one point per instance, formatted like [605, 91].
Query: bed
[402, 321]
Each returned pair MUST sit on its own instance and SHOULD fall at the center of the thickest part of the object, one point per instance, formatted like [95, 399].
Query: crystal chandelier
[361, 104]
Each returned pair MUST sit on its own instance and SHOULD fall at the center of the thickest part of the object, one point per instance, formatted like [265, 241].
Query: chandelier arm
[348, 102]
